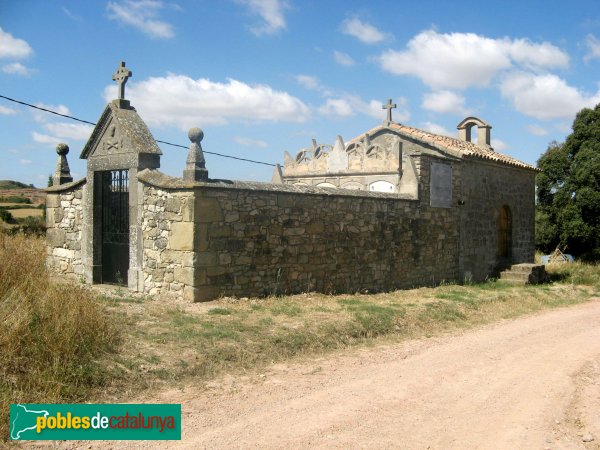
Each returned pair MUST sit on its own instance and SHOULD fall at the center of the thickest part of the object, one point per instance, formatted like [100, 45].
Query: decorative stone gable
[121, 139]
[374, 161]
[120, 131]
[381, 152]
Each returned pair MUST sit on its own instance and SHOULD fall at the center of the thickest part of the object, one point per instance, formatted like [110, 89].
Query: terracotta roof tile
[454, 146]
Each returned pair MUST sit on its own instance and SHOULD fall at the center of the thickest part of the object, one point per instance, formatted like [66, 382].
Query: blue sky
[264, 76]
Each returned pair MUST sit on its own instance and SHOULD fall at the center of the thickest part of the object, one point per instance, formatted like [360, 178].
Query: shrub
[6, 216]
[29, 226]
[15, 199]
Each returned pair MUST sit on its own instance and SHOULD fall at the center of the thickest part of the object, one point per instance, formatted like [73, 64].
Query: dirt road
[530, 383]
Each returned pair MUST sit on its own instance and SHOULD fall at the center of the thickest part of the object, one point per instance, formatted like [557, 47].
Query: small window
[327, 185]
[382, 186]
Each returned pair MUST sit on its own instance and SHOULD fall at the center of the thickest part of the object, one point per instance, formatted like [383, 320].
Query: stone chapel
[395, 207]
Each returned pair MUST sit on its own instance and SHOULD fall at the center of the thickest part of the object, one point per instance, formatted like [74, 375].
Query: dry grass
[52, 334]
[176, 342]
[26, 212]
[576, 273]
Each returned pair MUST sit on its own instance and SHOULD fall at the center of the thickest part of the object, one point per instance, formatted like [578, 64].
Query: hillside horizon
[11, 184]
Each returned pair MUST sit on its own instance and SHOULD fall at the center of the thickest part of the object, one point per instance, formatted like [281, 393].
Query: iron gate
[115, 226]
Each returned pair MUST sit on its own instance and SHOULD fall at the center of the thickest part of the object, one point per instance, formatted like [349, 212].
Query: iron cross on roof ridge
[389, 105]
[121, 76]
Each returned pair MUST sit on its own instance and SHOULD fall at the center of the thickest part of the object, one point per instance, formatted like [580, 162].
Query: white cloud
[70, 15]
[349, 105]
[445, 101]
[56, 132]
[312, 83]
[45, 139]
[498, 145]
[309, 82]
[399, 114]
[43, 117]
[182, 101]
[363, 31]
[537, 130]
[12, 47]
[337, 107]
[143, 15]
[25, 161]
[593, 45]
[74, 131]
[563, 127]
[248, 142]
[343, 59]
[270, 11]
[437, 129]
[460, 60]
[15, 69]
[535, 56]
[545, 96]
[4, 111]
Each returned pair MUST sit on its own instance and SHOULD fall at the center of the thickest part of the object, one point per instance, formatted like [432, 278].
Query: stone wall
[261, 243]
[254, 239]
[486, 188]
[168, 240]
[201, 240]
[64, 222]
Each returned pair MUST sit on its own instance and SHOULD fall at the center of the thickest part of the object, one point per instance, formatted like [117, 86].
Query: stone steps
[525, 273]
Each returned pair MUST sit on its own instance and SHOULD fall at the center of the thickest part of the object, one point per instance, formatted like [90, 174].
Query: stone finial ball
[62, 149]
[196, 135]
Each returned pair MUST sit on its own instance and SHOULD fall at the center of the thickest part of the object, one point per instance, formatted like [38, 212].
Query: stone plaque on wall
[440, 193]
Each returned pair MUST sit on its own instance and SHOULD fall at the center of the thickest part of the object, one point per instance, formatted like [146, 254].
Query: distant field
[10, 190]
[10, 205]
[26, 212]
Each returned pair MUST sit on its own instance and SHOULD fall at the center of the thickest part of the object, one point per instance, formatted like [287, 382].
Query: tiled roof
[453, 146]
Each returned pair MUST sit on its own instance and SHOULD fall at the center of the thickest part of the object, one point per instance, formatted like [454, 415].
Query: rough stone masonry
[396, 207]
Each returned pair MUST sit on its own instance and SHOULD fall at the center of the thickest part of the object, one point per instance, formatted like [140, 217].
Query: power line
[157, 140]
[219, 154]
[46, 110]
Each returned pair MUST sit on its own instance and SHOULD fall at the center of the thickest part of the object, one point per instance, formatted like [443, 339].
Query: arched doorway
[505, 233]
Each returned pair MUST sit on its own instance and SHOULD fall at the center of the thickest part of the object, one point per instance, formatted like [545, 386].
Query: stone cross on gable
[121, 76]
[389, 105]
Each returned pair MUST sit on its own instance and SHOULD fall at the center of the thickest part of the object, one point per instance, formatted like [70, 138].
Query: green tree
[568, 190]
[50, 181]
